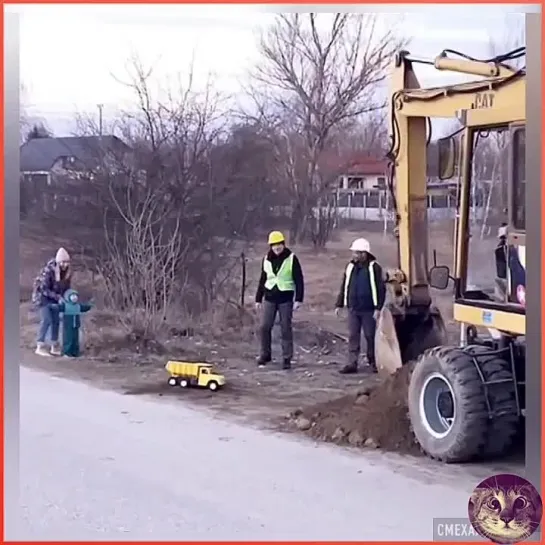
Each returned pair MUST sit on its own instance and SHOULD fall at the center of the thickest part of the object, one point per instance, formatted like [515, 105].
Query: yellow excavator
[466, 396]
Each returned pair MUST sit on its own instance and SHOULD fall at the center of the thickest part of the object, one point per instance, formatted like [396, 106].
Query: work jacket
[362, 287]
[281, 278]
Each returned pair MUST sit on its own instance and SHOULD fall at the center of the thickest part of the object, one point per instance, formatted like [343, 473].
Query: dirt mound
[373, 417]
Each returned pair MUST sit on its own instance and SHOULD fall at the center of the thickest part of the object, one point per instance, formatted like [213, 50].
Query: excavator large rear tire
[504, 427]
[448, 408]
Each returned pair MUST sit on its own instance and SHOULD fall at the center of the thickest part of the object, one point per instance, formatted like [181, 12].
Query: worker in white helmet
[362, 293]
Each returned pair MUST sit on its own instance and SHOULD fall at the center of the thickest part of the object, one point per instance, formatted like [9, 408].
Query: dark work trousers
[358, 322]
[285, 310]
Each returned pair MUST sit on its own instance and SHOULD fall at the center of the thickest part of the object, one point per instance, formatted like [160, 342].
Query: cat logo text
[454, 530]
[457, 530]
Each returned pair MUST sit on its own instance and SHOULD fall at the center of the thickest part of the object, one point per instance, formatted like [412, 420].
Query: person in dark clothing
[280, 290]
[53, 280]
[362, 292]
[500, 253]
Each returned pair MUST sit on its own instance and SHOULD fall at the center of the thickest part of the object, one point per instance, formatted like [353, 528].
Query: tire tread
[479, 436]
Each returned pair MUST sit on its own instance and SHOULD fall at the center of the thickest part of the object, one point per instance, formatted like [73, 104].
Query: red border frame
[239, 2]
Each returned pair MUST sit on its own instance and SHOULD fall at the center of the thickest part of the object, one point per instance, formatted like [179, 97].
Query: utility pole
[100, 107]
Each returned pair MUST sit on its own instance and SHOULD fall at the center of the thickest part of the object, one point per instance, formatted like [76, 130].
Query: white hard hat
[360, 245]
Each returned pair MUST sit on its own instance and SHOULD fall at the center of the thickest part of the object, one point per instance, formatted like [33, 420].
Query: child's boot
[41, 350]
[56, 349]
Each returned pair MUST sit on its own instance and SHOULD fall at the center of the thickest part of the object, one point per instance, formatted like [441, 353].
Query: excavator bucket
[387, 352]
[401, 338]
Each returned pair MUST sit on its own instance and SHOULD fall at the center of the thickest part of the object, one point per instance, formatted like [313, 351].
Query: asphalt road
[97, 465]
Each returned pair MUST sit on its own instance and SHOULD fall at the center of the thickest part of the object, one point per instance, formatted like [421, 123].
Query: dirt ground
[360, 410]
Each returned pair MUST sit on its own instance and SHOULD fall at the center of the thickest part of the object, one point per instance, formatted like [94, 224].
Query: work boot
[41, 350]
[286, 364]
[56, 349]
[263, 360]
[349, 369]
[370, 364]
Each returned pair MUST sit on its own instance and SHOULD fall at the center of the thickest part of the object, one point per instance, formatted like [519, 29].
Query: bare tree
[317, 73]
[37, 130]
[179, 206]
[365, 135]
[30, 126]
[140, 271]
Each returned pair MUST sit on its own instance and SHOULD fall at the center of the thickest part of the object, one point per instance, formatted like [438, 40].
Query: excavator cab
[465, 394]
[508, 260]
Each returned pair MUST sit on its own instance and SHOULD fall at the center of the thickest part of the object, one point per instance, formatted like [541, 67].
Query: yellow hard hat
[276, 237]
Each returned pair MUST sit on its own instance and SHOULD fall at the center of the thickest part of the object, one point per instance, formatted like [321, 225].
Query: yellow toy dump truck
[185, 374]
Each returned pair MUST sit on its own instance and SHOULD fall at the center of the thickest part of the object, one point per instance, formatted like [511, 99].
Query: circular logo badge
[505, 509]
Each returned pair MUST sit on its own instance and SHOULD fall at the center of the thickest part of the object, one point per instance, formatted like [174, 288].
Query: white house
[366, 174]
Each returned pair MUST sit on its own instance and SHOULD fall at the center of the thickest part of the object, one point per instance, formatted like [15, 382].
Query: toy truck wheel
[213, 385]
[184, 383]
[172, 381]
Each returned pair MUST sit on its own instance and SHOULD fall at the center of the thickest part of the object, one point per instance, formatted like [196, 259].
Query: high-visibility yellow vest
[283, 279]
[372, 279]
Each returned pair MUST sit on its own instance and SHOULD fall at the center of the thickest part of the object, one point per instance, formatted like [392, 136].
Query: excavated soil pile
[373, 418]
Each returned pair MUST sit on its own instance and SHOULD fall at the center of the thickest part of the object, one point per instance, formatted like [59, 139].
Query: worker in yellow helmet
[362, 292]
[280, 290]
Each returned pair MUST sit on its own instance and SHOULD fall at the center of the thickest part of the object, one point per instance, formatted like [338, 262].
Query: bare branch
[317, 74]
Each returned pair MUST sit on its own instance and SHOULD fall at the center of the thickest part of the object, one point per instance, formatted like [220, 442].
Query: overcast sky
[69, 54]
